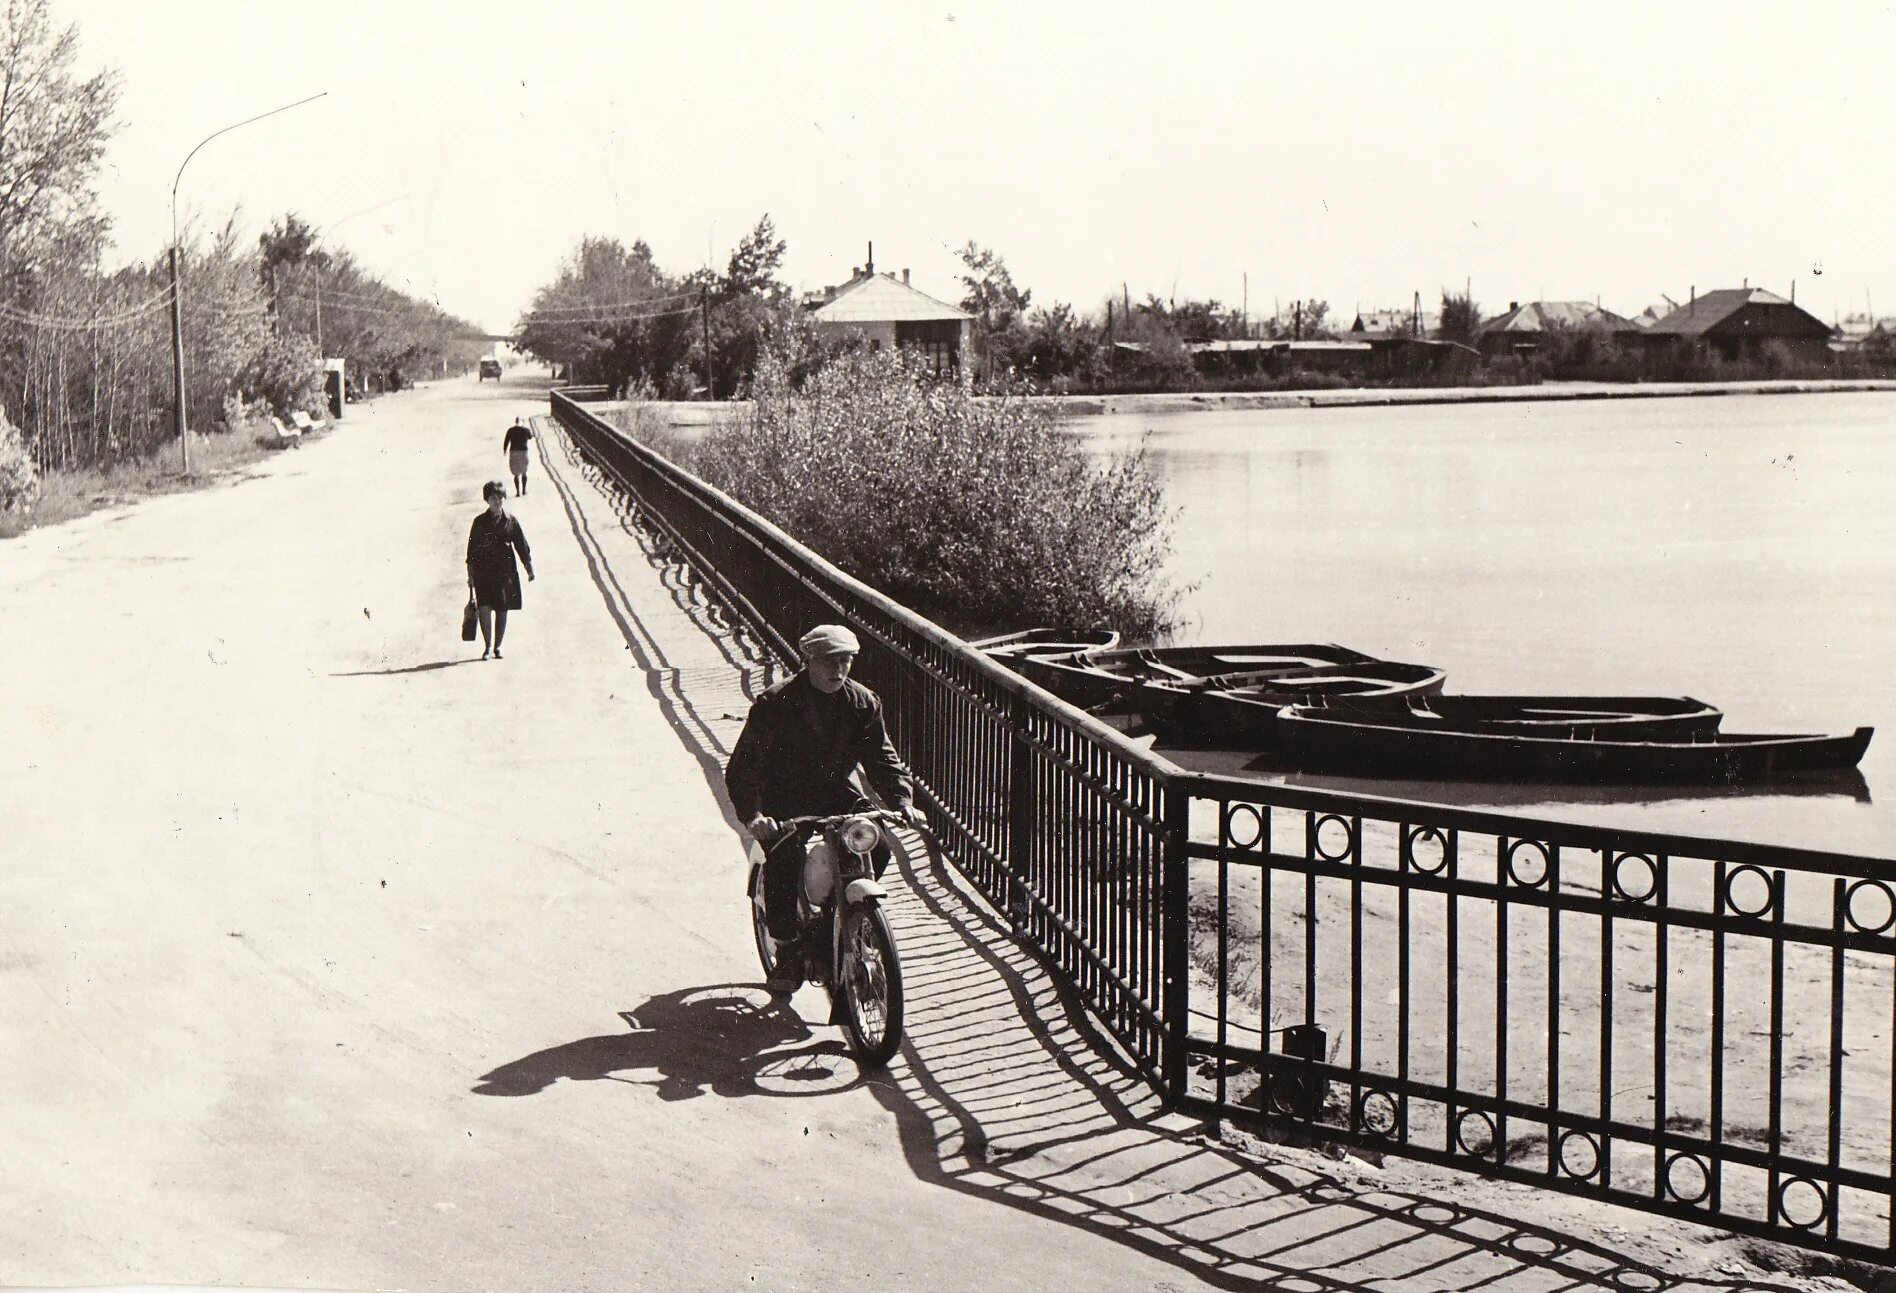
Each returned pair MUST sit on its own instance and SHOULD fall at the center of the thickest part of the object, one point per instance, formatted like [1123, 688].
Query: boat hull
[1361, 745]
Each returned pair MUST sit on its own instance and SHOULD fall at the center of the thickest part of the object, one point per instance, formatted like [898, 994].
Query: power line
[77, 323]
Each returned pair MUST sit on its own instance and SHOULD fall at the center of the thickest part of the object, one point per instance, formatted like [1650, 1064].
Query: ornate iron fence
[1054, 816]
[1695, 1027]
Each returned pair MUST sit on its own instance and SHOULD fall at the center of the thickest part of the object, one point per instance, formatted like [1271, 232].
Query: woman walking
[492, 541]
[516, 443]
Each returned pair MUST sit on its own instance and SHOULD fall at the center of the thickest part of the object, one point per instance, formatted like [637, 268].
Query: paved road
[331, 957]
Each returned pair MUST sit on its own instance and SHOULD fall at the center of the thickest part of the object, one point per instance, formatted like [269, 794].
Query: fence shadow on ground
[1010, 1093]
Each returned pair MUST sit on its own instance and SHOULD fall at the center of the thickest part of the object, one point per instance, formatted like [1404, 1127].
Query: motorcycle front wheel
[870, 990]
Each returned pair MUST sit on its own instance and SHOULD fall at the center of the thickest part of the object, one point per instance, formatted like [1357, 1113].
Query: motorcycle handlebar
[794, 827]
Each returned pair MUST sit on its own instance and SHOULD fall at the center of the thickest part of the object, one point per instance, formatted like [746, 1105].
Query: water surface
[1740, 549]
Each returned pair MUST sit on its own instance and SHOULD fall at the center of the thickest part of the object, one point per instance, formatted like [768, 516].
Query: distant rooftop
[882, 298]
[1713, 308]
[1539, 316]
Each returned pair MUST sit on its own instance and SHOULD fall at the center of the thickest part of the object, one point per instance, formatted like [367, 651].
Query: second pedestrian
[518, 437]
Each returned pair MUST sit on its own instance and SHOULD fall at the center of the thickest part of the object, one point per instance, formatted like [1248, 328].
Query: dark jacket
[491, 544]
[798, 748]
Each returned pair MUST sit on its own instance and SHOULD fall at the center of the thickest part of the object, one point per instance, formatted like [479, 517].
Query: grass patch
[67, 495]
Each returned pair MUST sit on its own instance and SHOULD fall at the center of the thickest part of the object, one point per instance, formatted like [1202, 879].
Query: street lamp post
[177, 303]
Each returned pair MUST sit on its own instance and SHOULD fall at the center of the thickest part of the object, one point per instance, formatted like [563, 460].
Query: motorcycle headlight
[860, 835]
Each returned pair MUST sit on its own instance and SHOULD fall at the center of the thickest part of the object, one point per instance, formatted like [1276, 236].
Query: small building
[1522, 328]
[1381, 325]
[890, 313]
[1736, 322]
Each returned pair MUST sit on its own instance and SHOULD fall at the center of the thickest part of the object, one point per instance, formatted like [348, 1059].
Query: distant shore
[1215, 401]
[700, 413]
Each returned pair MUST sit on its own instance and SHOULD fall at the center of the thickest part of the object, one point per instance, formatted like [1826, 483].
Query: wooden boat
[1239, 711]
[1046, 641]
[1619, 718]
[1366, 744]
[1102, 678]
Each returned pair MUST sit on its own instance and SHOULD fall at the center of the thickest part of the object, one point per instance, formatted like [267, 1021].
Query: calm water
[1740, 549]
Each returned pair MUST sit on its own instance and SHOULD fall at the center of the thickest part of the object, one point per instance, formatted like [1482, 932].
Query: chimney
[1513, 306]
[905, 282]
[870, 268]
[1691, 305]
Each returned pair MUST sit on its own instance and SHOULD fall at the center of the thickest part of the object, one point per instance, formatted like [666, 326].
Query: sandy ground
[331, 957]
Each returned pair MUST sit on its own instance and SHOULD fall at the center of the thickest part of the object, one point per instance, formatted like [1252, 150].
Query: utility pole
[177, 362]
[320, 353]
[704, 305]
[1244, 316]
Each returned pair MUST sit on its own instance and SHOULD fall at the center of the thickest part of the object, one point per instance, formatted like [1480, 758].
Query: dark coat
[799, 747]
[491, 544]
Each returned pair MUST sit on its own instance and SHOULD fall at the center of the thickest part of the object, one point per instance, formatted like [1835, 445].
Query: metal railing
[1695, 1027]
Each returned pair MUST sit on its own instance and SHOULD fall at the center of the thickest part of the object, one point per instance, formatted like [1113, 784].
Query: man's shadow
[729, 1039]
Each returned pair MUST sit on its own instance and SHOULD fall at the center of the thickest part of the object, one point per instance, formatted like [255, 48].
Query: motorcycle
[849, 948]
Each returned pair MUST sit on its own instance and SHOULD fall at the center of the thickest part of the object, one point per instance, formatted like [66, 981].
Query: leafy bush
[19, 476]
[977, 512]
[284, 374]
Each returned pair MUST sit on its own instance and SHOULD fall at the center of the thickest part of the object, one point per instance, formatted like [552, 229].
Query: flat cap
[828, 639]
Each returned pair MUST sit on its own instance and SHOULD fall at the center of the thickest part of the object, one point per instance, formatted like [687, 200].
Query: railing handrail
[920, 624]
[1567, 834]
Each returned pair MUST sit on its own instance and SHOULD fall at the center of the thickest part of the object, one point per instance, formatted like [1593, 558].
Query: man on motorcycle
[803, 740]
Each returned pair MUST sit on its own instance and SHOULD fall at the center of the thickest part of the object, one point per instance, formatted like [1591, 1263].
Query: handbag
[470, 617]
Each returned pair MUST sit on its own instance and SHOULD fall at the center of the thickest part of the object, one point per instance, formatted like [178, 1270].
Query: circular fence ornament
[1243, 813]
[1802, 1202]
[1873, 916]
[1635, 877]
[1475, 1134]
[1529, 863]
[1431, 858]
[1378, 1113]
[1578, 1155]
[1688, 1180]
[1748, 890]
[1322, 831]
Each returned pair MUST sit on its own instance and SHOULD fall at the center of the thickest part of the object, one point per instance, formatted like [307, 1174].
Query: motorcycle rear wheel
[870, 989]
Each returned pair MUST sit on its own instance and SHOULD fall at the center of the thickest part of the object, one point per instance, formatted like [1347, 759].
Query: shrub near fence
[979, 512]
[1701, 1028]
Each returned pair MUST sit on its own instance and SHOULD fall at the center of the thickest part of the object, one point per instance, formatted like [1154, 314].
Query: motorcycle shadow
[728, 1039]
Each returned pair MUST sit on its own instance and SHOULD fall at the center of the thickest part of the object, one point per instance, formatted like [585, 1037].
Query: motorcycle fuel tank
[819, 872]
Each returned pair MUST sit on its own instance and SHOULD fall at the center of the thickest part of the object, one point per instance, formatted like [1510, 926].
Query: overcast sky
[1354, 152]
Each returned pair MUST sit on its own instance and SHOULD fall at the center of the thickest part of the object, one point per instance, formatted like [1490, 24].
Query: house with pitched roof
[1736, 322]
[891, 313]
[1523, 327]
[1380, 325]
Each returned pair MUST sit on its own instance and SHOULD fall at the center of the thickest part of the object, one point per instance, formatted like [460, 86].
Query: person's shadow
[729, 1039]
[430, 667]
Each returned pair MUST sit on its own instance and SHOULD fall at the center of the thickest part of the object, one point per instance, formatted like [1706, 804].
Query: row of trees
[612, 317]
[85, 350]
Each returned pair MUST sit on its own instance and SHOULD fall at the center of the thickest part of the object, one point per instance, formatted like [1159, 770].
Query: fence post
[1021, 809]
[1175, 948]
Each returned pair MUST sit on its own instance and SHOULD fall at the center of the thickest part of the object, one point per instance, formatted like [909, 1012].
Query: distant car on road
[490, 368]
